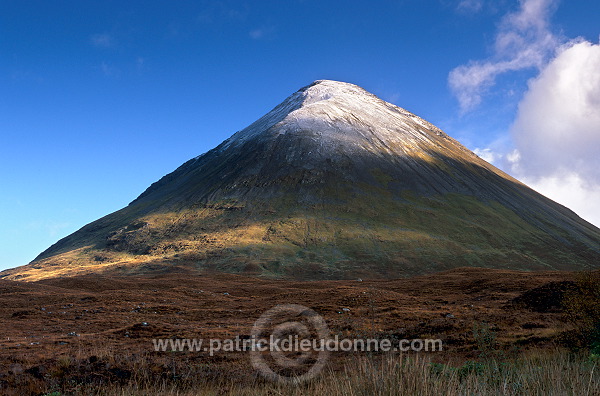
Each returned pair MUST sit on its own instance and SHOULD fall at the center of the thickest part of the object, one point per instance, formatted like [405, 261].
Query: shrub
[485, 339]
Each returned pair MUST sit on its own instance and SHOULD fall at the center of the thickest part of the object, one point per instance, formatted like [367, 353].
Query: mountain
[332, 183]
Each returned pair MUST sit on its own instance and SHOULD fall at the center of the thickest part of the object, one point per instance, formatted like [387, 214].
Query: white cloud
[572, 191]
[486, 154]
[513, 157]
[557, 131]
[558, 121]
[523, 41]
[103, 40]
[470, 6]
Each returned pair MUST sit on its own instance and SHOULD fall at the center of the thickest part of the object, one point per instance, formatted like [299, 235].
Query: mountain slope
[332, 183]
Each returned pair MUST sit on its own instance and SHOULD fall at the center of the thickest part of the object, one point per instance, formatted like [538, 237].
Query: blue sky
[100, 99]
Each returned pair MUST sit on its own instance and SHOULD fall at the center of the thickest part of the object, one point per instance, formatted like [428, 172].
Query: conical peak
[329, 165]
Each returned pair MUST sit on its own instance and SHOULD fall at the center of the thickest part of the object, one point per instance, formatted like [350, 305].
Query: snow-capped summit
[334, 107]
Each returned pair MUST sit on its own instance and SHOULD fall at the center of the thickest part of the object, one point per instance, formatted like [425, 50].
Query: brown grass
[496, 339]
[538, 373]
